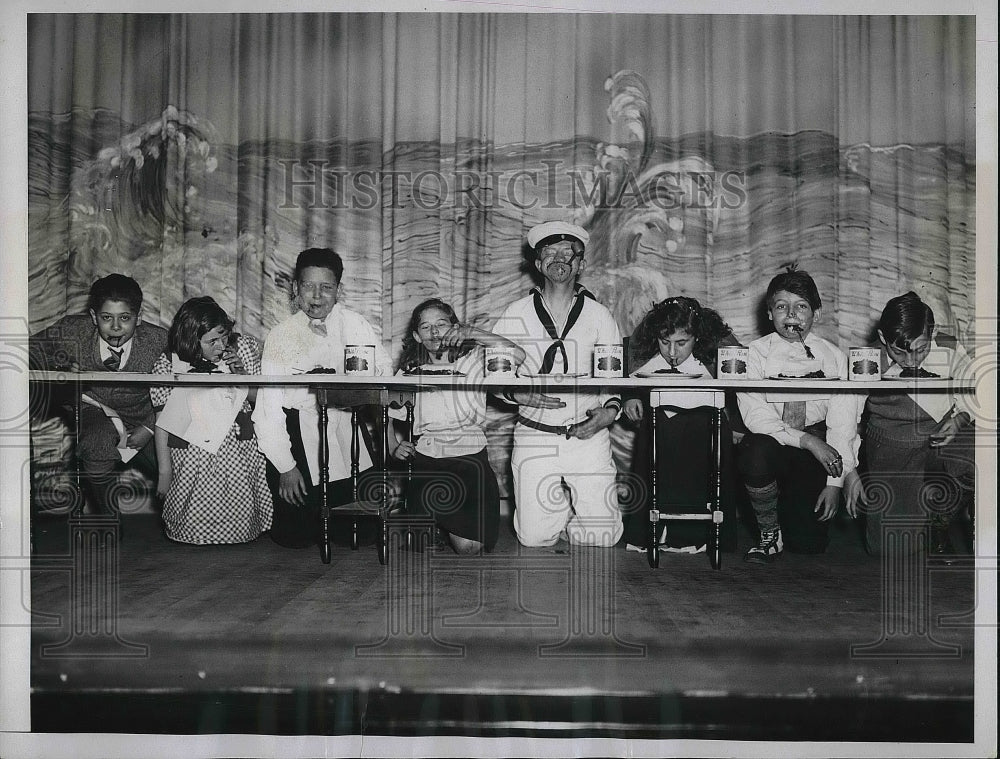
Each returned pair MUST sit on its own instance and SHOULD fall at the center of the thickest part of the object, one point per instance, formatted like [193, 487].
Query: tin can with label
[608, 360]
[733, 362]
[865, 365]
[359, 360]
[498, 361]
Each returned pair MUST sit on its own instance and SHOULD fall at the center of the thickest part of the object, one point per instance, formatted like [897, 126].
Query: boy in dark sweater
[111, 337]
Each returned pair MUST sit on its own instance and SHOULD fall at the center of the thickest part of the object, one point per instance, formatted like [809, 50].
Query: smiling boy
[111, 337]
[802, 449]
[286, 419]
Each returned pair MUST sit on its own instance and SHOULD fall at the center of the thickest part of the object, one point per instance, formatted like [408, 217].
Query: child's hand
[456, 335]
[232, 358]
[292, 487]
[827, 503]
[163, 480]
[633, 410]
[404, 450]
[138, 437]
[828, 457]
[854, 492]
[946, 432]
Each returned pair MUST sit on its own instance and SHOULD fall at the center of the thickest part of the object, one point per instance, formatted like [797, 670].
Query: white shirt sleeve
[269, 415]
[842, 416]
[759, 416]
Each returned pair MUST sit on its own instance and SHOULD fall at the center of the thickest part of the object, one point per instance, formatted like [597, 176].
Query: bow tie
[318, 326]
[205, 366]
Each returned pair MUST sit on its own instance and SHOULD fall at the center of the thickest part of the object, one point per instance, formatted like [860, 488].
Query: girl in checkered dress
[211, 473]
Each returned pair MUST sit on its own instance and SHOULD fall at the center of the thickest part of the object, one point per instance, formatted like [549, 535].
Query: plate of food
[817, 375]
[918, 373]
[434, 370]
[666, 374]
[568, 375]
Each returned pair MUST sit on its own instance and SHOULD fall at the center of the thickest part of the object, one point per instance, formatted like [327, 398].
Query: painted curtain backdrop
[201, 153]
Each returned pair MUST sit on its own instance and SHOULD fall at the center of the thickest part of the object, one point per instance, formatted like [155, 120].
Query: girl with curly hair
[679, 336]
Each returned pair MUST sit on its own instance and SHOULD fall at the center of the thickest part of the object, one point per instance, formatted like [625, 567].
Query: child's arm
[461, 333]
[403, 449]
[165, 473]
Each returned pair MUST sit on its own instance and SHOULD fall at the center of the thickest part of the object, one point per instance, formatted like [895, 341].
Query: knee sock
[765, 505]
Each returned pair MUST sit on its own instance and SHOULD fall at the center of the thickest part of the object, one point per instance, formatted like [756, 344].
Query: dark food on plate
[666, 371]
[423, 370]
[918, 373]
[322, 370]
[818, 374]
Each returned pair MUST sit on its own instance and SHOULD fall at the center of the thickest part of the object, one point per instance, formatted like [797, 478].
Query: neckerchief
[549, 359]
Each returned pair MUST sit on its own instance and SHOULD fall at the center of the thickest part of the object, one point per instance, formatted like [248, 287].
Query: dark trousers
[684, 469]
[100, 463]
[300, 526]
[800, 478]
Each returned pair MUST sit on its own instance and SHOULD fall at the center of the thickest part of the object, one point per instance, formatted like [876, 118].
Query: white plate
[803, 379]
[666, 375]
[571, 375]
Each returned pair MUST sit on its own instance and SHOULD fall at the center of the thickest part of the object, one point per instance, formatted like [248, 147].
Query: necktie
[318, 326]
[794, 414]
[113, 361]
[557, 347]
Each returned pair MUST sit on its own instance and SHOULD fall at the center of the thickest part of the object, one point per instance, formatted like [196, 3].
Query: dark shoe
[767, 550]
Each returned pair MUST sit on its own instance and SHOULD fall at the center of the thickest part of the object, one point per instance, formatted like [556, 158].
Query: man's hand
[292, 487]
[854, 492]
[633, 410]
[827, 503]
[536, 400]
[138, 437]
[598, 419]
[825, 454]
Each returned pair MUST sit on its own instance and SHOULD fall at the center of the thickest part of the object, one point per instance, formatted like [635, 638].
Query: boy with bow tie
[286, 419]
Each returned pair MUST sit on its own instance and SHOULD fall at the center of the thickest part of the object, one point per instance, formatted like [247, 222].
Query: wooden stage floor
[256, 638]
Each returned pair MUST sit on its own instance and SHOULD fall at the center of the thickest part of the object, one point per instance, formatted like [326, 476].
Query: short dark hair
[798, 283]
[325, 258]
[904, 319]
[115, 287]
[192, 320]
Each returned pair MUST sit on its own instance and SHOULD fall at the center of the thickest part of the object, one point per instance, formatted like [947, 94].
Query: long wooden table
[399, 391]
